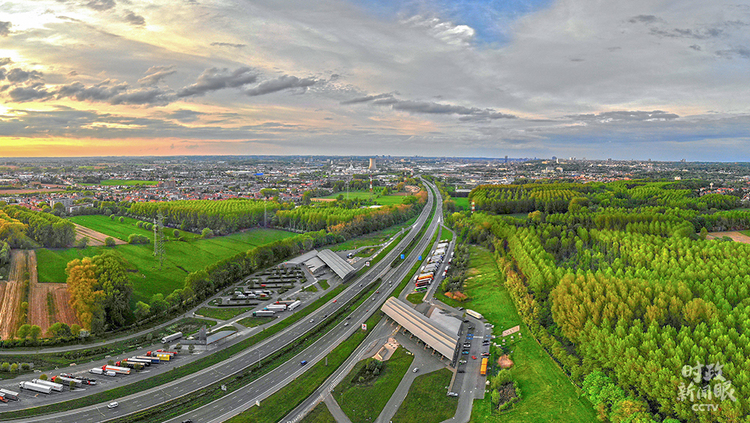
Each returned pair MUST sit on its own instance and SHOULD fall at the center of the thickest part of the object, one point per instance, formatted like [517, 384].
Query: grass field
[225, 313]
[251, 322]
[547, 394]
[319, 414]
[446, 234]
[324, 284]
[462, 202]
[373, 238]
[378, 392]
[181, 258]
[415, 298]
[383, 200]
[426, 401]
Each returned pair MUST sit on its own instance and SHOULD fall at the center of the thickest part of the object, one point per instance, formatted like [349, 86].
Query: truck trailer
[98, 371]
[164, 357]
[173, 337]
[167, 352]
[84, 380]
[117, 369]
[31, 386]
[9, 394]
[153, 360]
[294, 305]
[264, 313]
[474, 314]
[66, 380]
[55, 386]
[276, 307]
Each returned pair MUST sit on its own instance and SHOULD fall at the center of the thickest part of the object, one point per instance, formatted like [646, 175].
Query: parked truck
[84, 380]
[31, 386]
[276, 307]
[173, 337]
[55, 386]
[474, 314]
[164, 357]
[294, 305]
[117, 369]
[9, 394]
[263, 313]
[2, 398]
[167, 352]
[98, 371]
[153, 360]
[66, 380]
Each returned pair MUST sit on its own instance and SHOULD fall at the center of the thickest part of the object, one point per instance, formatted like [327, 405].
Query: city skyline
[431, 78]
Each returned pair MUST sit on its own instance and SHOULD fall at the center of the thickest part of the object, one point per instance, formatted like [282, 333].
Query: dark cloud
[155, 74]
[644, 19]
[31, 92]
[185, 116]
[5, 29]
[100, 92]
[142, 96]
[367, 98]
[17, 75]
[135, 20]
[626, 116]
[742, 52]
[5, 60]
[696, 47]
[216, 79]
[282, 83]
[100, 4]
[228, 45]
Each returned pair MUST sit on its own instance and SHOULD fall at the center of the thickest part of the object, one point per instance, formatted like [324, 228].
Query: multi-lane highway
[260, 389]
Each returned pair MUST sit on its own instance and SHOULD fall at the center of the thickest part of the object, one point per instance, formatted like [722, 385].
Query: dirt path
[10, 295]
[96, 239]
[737, 236]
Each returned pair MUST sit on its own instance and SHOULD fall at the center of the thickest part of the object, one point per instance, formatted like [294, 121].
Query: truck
[422, 283]
[263, 313]
[31, 386]
[164, 357]
[55, 386]
[153, 360]
[2, 398]
[138, 360]
[85, 380]
[483, 369]
[117, 369]
[167, 352]
[421, 289]
[276, 307]
[474, 314]
[66, 380]
[98, 371]
[173, 337]
[137, 365]
[294, 305]
[9, 394]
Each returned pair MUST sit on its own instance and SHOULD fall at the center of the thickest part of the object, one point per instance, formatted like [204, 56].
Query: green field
[373, 238]
[118, 230]
[319, 414]
[383, 200]
[415, 298]
[324, 284]
[462, 202]
[547, 393]
[225, 313]
[427, 401]
[180, 259]
[446, 234]
[349, 394]
[251, 322]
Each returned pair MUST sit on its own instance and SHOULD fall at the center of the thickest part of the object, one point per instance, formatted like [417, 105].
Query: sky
[665, 80]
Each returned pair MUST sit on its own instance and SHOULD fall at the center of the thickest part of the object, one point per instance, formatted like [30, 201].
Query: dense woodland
[45, 229]
[625, 298]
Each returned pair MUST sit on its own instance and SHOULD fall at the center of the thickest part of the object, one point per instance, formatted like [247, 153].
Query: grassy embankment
[547, 393]
[426, 401]
[349, 393]
[319, 414]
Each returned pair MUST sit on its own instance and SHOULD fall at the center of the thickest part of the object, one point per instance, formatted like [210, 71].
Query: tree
[306, 198]
[25, 366]
[14, 367]
[72, 385]
[122, 219]
[59, 330]
[82, 243]
[109, 241]
[111, 217]
[191, 348]
[5, 367]
[176, 233]
[158, 305]
[704, 233]
[142, 310]
[43, 376]
[23, 331]
[34, 332]
[207, 233]
[75, 329]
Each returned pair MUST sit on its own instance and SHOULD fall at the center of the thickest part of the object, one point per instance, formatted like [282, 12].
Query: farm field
[180, 259]
[547, 393]
[121, 231]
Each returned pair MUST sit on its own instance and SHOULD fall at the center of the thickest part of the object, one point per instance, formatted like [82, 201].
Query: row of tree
[44, 228]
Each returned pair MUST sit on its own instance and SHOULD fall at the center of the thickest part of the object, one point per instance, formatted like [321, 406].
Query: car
[113, 404]
[312, 320]
[452, 394]
[473, 357]
[462, 371]
[485, 354]
[303, 362]
[466, 320]
[373, 298]
[462, 362]
[467, 345]
[187, 421]
[346, 323]
[377, 292]
[334, 300]
[416, 369]
[348, 317]
[464, 352]
[460, 309]
[471, 328]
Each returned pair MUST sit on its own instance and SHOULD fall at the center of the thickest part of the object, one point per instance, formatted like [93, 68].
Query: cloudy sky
[637, 79]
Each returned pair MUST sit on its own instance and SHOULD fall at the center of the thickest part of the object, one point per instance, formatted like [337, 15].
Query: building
[372, 163]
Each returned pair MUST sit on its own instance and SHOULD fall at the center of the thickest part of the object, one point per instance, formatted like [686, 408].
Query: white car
[113, 405]
[416, 369]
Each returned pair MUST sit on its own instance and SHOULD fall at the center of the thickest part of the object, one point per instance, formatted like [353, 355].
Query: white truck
[172, 337]
[55, 386]
[276, 307]
[31, 386]
[9, 394]
[294, 305]
[98, 371]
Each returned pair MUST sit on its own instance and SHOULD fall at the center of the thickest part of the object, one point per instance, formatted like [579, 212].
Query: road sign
[364, 326]
[367, 263]
[420, 257]
[402, 256]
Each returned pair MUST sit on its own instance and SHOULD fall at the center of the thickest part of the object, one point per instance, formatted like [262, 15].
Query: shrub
[109, 241]
[122, 219]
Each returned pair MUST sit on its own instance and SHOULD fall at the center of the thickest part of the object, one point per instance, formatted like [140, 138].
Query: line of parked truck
[277, 307]
[427, 273]
[122, 367]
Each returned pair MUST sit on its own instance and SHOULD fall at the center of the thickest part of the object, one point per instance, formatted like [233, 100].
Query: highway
[272, 381]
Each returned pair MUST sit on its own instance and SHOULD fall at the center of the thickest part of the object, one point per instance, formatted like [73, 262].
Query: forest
[44, 229]
[635, 303]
